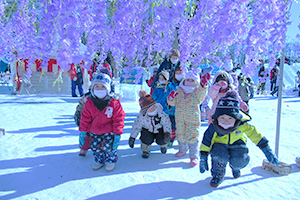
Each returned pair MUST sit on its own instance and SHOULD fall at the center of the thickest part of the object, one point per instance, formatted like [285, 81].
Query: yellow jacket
[238, 136]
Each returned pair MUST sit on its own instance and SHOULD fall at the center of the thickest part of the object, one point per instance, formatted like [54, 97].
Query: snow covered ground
[39, 157]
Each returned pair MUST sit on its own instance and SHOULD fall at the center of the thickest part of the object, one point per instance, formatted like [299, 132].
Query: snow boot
[109, 166]
[82, 152]
[236, 173]
[194, 162]
[217, 171]
[97, 166]
[163, 150]
[216, 181]
[179, 154]
[145, 154]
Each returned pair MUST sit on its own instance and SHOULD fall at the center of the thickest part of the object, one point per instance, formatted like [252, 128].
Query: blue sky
[293, 30]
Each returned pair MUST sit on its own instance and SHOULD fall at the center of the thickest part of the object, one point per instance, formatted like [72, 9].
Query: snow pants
[261, 87]
[104, 147]
[147, 138]
[192, 148]
[221, 154]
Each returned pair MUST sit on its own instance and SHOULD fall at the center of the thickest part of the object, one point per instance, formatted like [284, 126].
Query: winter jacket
[171, 87]
[165, 65]
[262, 75]
[244, 89]
[187, 114]
[152, 124]
[111, 119]
[159, 96]
[76, 73]
[149, 83]
[211, 136]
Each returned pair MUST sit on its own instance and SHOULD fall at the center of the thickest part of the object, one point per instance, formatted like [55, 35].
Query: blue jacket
[171, 86]
[159, 96]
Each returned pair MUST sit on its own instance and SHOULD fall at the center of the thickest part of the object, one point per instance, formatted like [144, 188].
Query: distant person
[161, 88]
[225, 140]
[76, 73]
[275, 91]
[151, 80]
[273, 77]
[262, 78]
[103, 118]
[168, 64]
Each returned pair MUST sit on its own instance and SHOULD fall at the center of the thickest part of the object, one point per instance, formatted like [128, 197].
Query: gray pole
[282, 60]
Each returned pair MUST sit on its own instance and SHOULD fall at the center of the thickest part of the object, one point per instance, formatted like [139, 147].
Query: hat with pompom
[228, 105]
[145, 101]
[191, 75]
[102, 78]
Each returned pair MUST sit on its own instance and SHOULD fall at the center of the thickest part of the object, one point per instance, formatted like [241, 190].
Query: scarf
[101, 103]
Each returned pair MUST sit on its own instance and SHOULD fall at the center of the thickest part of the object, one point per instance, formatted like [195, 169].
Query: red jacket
[150, 81]
[72, 71]
[111, 119]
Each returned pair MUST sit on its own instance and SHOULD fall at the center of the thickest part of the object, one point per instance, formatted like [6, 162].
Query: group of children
[173, 110]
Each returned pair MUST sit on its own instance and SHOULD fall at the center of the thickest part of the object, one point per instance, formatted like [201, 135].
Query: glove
[203, 164]
[205, 79]
[116, 141]
[244, 106]
[223, 84]
[172, 95]
[131, 142]
[272, 158]
[81, 138]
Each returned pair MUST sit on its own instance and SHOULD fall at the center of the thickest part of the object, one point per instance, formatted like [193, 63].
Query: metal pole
[279, 103]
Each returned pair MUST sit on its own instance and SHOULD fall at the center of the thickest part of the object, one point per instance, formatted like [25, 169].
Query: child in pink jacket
[102, 117]
[222, 83]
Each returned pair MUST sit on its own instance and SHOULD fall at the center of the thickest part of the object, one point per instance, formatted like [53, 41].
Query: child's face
[99, 86]
[161, 78]
[226, 119]
[189, 82]
[178, 72]
[152, 108]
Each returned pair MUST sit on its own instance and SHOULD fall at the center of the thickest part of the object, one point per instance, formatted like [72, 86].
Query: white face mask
[174, 60]
[226, 126]
[162, 82]
[154, 112]
[178, 77]
[100, 93]
[188, 89]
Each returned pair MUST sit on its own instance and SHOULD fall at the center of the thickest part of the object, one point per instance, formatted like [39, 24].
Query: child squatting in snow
[225, 141]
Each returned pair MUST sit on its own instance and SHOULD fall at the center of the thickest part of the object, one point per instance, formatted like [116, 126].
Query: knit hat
[222, 73]
[191, 75]
[165, 74]
[103, 79]
[228, 105]
[175, 52]
[145, 101]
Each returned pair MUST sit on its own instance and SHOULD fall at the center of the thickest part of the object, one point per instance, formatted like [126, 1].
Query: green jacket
[237, 137]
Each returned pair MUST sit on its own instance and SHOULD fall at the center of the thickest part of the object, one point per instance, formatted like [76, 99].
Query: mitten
[116, 141]
[205, 79]
[244, 106]
[131, 142]
[203, 164]
[172, 95]
[81, 138]
[272, 158]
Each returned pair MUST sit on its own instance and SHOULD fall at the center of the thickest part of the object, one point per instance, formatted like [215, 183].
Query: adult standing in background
[273, 77]
[76, 73]
[168, 64]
